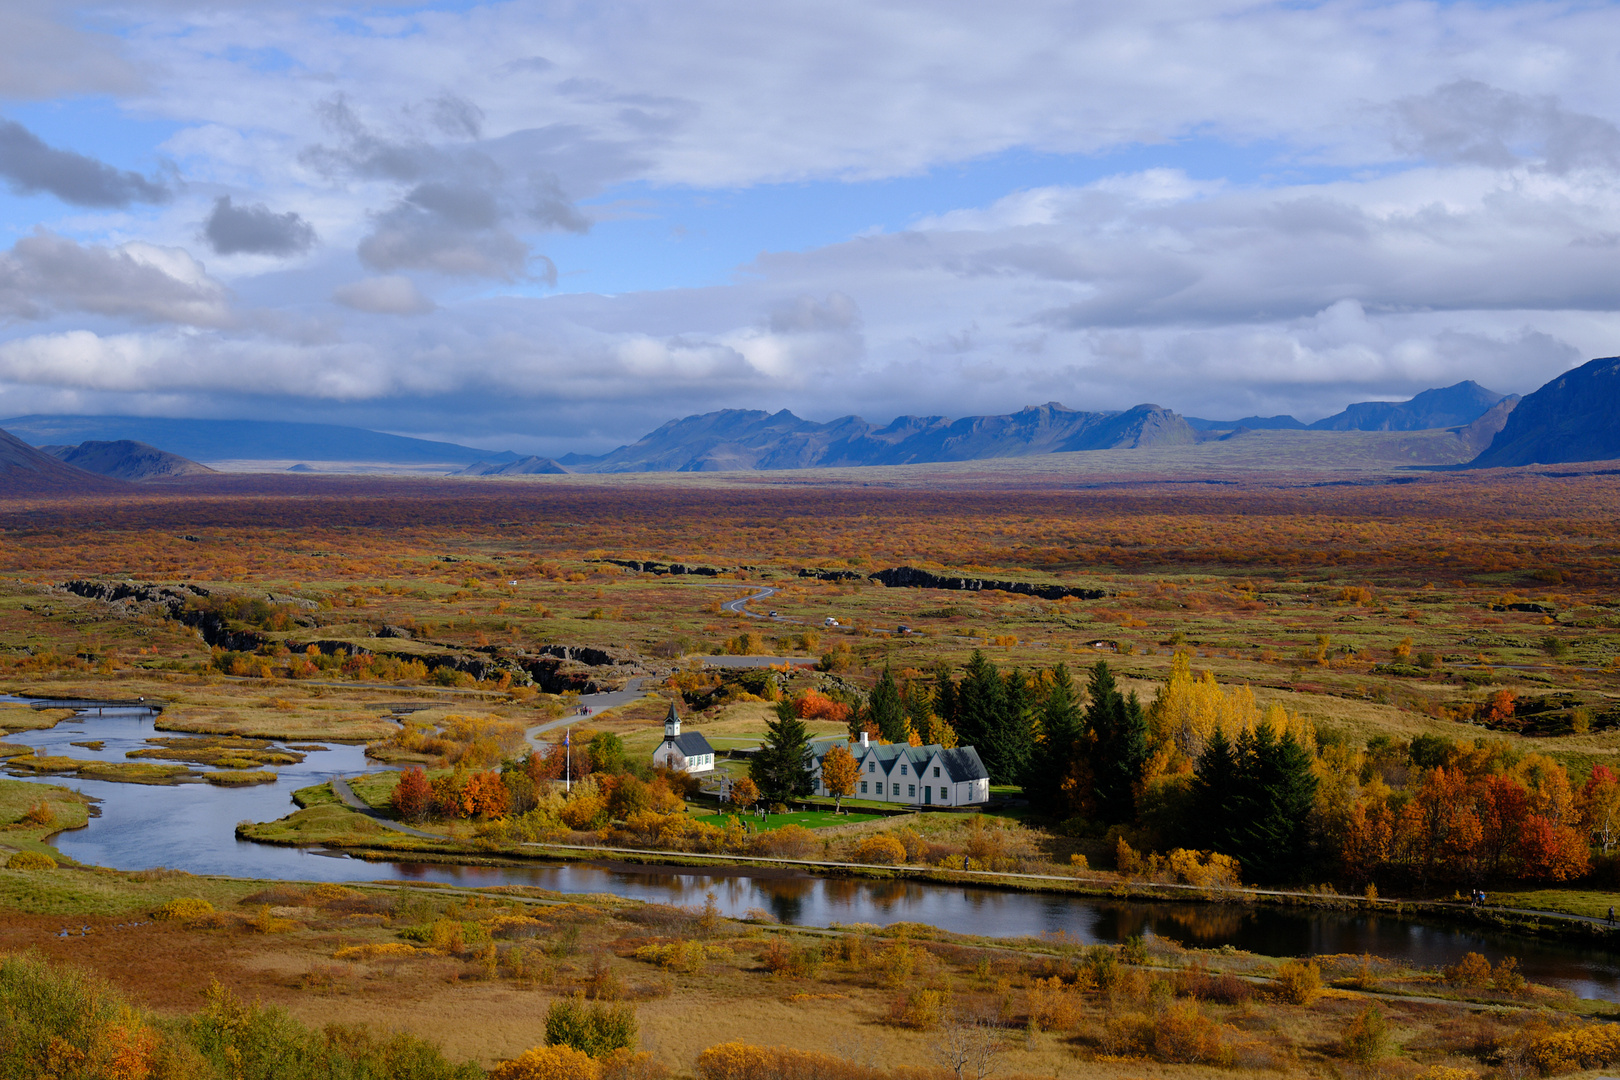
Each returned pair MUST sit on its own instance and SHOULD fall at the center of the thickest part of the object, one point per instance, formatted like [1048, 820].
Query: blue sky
[551, 226]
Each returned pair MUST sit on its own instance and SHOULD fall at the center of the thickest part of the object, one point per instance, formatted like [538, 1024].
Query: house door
[928, 793]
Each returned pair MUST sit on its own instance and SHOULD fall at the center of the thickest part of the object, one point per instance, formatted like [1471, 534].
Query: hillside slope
[25, 471]
[1575, 417]
[125, 459]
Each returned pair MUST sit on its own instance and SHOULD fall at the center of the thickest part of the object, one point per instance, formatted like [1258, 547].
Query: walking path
[609, 699]
[341, 788]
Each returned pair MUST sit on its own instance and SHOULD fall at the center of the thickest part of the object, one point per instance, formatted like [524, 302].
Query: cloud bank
[1226, 208]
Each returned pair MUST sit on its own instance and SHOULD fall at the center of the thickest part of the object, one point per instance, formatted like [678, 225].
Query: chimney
[865, 740]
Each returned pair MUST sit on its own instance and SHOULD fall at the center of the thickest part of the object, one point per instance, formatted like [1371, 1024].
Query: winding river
[191, 827]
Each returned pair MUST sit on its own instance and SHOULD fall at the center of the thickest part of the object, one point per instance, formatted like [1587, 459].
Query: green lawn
[1594, 903]
[814, 819]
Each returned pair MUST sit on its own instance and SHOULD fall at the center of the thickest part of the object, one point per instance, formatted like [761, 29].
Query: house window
[936, 772]
[902, 770]
[863, 787]
[911, 791]
[943, 796]
[871, 766]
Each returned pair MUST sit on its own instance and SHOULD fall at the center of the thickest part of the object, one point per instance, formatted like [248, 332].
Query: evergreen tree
[1214, 792]
[1061, 729]
[1253, 800]
[1014, 733]
[980, 712]
[781, 768]
[1119, 746]
[920, 712]
[944, 694]
[885, 711]
[1277, 792]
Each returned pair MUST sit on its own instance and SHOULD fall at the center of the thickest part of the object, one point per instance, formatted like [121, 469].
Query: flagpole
[568, 760]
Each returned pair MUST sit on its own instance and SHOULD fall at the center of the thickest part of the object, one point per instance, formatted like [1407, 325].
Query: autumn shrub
[375, 950]
[1184, 1035]
[69, 1025]
[1100, 968]
[788, 842]
[686, 956]
[549, 1063]
[1366, 1038]
[30, 860]
[185, 907]
[921, 1008]
[1472, 971]
[1199, 983]
[792, 961]
[1052, 1005]
[1506, 977]
[38, 815]
[630, 1065]
[743, 1061]
[593, 1028]
[256, 1042]
[1298, 982]
[1592, 1046]
[1205, 869]
[880, 848]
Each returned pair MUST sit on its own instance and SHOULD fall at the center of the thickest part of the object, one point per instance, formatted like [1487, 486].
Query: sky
[553, 226]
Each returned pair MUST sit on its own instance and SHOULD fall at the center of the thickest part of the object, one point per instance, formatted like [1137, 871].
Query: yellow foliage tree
[549, 1063]
[839, 772]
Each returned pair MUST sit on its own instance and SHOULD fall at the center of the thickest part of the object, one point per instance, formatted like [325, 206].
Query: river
[192, 827]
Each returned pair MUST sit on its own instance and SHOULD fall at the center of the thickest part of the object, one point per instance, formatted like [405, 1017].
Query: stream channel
[191, 827]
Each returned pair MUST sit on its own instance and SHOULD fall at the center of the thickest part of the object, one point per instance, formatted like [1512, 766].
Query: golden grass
[23, 718]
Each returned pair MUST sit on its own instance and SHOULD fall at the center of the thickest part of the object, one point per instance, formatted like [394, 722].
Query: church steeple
[672, 723]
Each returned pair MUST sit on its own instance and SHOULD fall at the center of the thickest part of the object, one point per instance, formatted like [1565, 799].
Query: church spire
[672, 723]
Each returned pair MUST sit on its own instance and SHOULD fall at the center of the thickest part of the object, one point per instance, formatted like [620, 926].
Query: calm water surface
[191, 827]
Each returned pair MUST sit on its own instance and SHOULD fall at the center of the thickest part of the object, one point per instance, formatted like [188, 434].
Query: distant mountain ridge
[249, 440]
[1446, 407]
[742, 439]
[1574, 417]
[1450, 406]
[124, 459]
[1252, 423]
[527, 466]
[26, 471]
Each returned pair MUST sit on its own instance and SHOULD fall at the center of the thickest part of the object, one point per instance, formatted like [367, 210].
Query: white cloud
[384, 296]
[137, 281]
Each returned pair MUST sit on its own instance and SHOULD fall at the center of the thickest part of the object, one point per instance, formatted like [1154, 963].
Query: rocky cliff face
[1575, 417]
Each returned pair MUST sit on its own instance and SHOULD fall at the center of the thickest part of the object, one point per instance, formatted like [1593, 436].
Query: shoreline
[1540, 924]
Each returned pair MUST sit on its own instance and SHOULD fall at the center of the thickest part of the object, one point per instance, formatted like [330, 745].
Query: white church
[690, 752]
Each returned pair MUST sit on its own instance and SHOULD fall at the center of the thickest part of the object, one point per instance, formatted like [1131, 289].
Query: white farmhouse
[913, 775]
[690, 752]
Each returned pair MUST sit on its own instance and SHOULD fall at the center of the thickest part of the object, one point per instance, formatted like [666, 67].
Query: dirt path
[341, 788]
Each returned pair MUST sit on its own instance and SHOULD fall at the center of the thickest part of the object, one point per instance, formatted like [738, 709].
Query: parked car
[830, 621]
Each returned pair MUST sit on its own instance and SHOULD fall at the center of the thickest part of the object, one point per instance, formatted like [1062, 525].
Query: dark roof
[963, 764]
[691, 743]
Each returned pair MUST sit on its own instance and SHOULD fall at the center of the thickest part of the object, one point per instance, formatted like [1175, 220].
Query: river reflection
[191, 827]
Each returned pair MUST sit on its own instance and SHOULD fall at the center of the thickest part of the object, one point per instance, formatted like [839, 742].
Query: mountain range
[1450, 406]
[248, 440]
[734, 439]
[1574, 417]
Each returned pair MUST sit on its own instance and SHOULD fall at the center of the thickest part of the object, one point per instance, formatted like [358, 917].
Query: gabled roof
[691, 743]
[963, 764]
